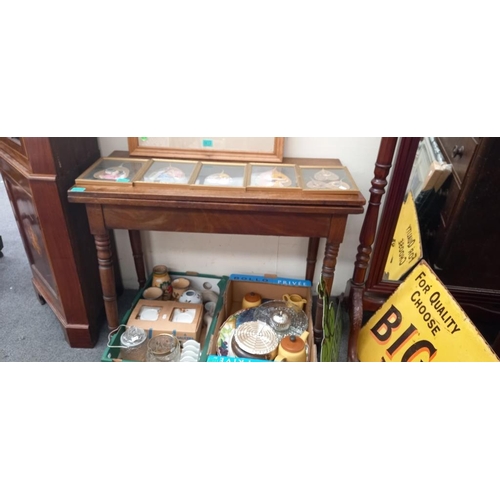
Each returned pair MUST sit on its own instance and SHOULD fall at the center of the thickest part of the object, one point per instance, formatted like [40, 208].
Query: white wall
[226, 254]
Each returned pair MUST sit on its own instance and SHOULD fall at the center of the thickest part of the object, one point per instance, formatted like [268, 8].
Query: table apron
[219, 221]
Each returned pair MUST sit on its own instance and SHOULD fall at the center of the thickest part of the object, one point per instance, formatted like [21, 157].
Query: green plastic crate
[112, 352]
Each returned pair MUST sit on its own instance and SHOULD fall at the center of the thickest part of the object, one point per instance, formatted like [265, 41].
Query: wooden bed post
[356, 285]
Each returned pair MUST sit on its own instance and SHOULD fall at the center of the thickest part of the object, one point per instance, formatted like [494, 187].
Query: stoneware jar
[251, 299]
[293, 348]
[161, 279]
[180, 285]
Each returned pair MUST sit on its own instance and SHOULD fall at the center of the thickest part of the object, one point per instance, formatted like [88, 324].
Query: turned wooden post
[355, 286]
[335, 238]
[106, 272]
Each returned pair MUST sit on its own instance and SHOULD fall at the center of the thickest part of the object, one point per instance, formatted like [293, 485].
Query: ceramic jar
[191, 297]
[180, 285]
[251, 299]
[161, 279]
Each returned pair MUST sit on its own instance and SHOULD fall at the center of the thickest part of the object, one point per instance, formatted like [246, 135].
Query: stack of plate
[190, 352]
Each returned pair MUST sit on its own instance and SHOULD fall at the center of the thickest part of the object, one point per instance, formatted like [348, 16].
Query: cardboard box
[271, 288]
[166, 315]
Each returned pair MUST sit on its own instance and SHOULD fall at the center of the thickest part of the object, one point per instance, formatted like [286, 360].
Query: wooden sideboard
[217, 211]
[37, 173]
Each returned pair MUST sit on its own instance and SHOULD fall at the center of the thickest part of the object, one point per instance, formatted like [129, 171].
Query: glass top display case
[324, 180]
[168, 172]
[268, 176]
[112, 171]
[221, 175]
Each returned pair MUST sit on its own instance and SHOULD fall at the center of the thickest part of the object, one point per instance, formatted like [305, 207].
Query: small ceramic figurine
[273, 178]
[316, 185]
[339, 185]
[326, 175]
[170, 175]
[219, 179]
[113, 173]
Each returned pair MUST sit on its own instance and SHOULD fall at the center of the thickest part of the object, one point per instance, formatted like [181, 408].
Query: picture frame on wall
[256, 149]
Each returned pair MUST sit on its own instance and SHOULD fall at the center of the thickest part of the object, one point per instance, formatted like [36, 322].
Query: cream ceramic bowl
[152, 293]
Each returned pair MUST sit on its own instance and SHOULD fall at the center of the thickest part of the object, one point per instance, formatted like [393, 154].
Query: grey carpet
[28, 330]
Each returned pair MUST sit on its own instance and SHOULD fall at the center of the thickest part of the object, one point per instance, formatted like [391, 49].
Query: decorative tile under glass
[221, 175]
[326, 179]
[168, 172]
[106, 171]
[269, 176]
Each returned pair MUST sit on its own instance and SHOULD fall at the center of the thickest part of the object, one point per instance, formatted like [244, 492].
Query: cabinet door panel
[459, 151]
[29, 227]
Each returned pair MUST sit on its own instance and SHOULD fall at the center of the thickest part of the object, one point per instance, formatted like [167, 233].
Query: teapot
[293, 348]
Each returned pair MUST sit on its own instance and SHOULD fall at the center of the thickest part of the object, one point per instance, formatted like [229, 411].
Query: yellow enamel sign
[406, 247]
[421, 321]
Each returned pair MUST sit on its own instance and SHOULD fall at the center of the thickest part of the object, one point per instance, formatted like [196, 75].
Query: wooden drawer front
[459, 151]
[451, 199]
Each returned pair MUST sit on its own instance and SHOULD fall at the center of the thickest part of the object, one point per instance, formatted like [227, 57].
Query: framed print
[271, 176]
[159, 172]
[112, 171]
[315, 179]
[212, 175]
[258, 149]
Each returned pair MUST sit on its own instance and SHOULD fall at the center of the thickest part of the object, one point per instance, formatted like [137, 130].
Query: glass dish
[163, 347]
[285, 320]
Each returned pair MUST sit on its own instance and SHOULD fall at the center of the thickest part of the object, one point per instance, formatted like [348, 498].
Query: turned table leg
[335, 238]
[107, 275]
[135, 242]
[312, 257]
[328, 271]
